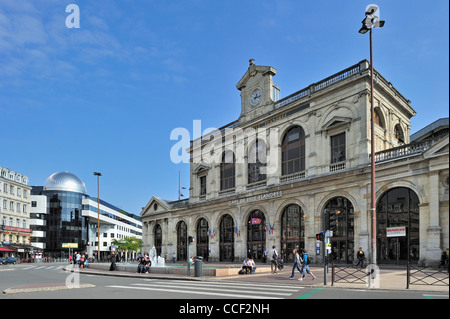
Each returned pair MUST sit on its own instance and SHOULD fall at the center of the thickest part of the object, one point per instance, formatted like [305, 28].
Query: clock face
[255, 98]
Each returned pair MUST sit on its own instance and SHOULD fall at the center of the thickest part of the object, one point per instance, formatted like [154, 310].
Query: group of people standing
[79, 260]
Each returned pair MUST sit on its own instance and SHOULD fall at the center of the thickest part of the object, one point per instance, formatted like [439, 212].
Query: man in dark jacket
[113, 261]
[360, 256]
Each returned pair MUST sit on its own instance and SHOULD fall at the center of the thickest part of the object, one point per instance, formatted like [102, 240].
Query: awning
[26, 248]
[5, 249]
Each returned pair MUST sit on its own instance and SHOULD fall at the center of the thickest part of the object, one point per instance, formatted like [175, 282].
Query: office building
[64, 216]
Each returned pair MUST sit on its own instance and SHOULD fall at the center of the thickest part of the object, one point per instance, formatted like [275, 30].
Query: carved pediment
[155, 205]
[439, 148]
[201, 169]
[337, 122]
[252, 71]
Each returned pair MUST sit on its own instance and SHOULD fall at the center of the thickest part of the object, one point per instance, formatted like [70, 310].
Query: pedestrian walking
[113, 261]
[297, 263]
[360, 256]
[305, 266]
[273, 257]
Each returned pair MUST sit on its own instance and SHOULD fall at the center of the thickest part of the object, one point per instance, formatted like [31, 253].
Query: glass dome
[65, 181]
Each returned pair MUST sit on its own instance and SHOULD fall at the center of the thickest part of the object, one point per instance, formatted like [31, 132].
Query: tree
[128, 244]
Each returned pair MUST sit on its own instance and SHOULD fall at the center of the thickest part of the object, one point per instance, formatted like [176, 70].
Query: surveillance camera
[371, 9]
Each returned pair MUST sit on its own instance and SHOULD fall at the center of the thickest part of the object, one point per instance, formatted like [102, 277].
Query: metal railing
[348, 274]
[428, 276]
[305, 92]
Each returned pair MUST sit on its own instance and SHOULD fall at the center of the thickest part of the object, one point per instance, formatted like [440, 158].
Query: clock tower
[258, 93]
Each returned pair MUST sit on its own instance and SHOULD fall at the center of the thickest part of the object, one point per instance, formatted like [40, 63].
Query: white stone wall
[342, 107]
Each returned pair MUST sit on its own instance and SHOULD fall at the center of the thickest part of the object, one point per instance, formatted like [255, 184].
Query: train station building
[290, 168]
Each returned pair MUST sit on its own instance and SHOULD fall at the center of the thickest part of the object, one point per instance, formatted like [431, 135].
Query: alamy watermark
[73, 19]
[73, 279]
[229, 145]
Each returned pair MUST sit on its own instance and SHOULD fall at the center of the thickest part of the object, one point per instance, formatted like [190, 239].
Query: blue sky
[106, 96]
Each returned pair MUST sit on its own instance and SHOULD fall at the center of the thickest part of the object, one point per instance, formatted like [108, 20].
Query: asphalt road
[40, 276]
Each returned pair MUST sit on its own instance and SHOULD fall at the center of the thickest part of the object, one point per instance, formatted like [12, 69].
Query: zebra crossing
[43, 267]
[197, 289]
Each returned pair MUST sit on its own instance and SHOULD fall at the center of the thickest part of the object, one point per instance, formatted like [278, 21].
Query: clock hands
[255, 97]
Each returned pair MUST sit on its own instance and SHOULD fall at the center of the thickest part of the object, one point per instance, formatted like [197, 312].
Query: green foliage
[128, 244]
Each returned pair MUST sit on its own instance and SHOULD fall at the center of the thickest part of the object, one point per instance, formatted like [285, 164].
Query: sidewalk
[390, 278]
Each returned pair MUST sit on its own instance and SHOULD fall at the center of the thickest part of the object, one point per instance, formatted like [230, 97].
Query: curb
[235, 279]
[133, 275]
[19, 290]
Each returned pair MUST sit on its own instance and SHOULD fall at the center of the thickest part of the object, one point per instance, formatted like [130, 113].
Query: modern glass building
[64, 222]
[63, 214]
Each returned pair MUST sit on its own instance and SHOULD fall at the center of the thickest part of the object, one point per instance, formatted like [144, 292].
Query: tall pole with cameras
[372, 20]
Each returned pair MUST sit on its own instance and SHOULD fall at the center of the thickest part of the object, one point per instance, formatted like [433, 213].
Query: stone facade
[15, 208]
[330, 122]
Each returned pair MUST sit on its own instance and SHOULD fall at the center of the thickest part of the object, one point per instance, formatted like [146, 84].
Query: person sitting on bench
[246, 266]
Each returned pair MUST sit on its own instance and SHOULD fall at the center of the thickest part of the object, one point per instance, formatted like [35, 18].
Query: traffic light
[190, 239]
[319, 236]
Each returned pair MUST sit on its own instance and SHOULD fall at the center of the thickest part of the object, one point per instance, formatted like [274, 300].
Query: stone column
[214, 239]
[433, 253]
[150, 239]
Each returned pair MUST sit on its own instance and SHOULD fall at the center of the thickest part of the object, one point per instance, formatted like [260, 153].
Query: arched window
[202, 239]
[181, 241]
[256, 235]
[339, 218]
[398, 208]
[398, 133]
[227, 171]
[378, 117]
[226, 243]
[158, 239]
[292, 230]
[293, 151]
[257, 156]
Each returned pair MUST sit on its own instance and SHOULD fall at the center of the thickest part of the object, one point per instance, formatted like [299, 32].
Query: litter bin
[198, 265]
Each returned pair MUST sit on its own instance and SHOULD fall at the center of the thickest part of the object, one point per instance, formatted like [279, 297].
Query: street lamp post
[372, 20]
[98, 214]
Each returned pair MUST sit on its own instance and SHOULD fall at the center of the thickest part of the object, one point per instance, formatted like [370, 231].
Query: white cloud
[35, 43]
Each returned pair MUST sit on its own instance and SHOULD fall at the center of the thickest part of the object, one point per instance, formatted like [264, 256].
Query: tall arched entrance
[398, 226]
[256, 235]
[158, 239]
[292, 230]
[181, 241]
[339, 219]
[226, 239]
[202, 239]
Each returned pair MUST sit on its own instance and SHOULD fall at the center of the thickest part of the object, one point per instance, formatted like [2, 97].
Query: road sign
[399, 231]
[69, 245]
